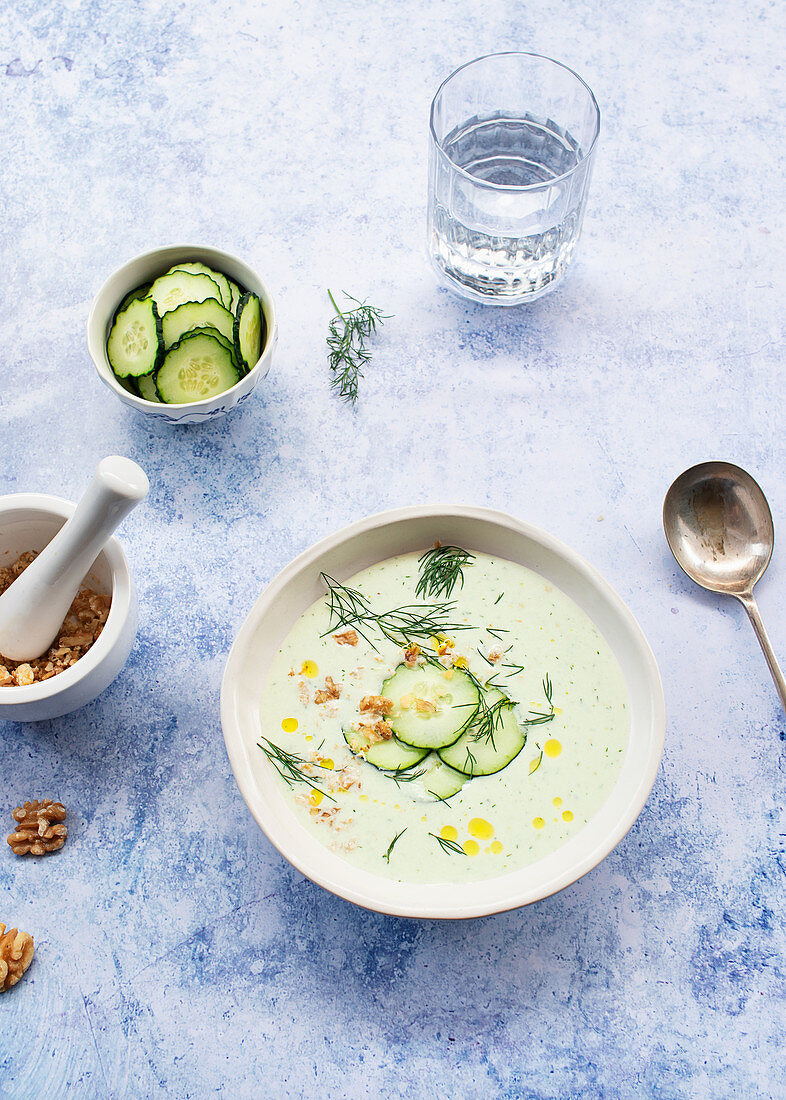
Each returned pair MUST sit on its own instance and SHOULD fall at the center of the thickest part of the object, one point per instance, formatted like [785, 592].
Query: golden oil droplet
[309, 669]
[552, 748]
[496, 847]
[326, 762]
[538, 823]
[448, 833]
[480, 828]
[315, 797]
[556, 802]
[289, 725]
[471, 847]
[567, 815]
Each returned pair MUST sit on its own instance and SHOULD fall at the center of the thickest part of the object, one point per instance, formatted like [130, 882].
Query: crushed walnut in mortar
[81, 628]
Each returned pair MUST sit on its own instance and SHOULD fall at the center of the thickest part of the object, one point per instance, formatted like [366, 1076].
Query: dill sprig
[448, 845]
[291, 767]
[534, 765]
[349, 330]
[392, 845]
[542, 717]
[401, 625]
[406, 777]
[441, 568]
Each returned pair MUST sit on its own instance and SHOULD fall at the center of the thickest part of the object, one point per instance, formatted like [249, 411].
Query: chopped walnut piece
[375, 704]
[411, 654]
[16, 954]
[365, 735]
[495, 655]
[302, 693]
[349, 637]
[40, 828]
[82, 627]
[423, 706]
[331, 690]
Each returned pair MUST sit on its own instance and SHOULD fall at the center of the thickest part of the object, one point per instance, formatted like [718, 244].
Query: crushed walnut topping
[80, 630]
[303, 693]
[16, 954]
[376, 704]
[411, 654]
[348, 637]
[495, 655]
[331, 690]
[364, 735]
[39, 829]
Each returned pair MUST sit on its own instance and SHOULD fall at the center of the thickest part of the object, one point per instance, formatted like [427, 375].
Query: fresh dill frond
[348, 332]
[448, 846]
[541, 717]
[499, 597]
[292, 768]
[406, 777]
[441, 568]
[534, 765]
[401, 625]
[392, 845]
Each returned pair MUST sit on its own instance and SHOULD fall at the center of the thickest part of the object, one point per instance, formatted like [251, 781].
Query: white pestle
[33, 608]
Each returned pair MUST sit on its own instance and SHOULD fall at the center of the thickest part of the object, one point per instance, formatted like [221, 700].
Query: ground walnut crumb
[16, 954]
[39, 829]
[331, 690]
[347, 637]
[376, 704]
[82, 627]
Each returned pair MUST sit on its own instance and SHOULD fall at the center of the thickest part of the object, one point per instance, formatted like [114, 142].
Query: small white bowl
[143, 269]
[359, 546]
[28, 521]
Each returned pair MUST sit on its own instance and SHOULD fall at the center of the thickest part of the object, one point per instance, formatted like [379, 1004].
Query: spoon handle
[750, 605]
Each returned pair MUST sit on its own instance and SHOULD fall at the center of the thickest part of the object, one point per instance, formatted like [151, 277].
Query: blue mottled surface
[177, 954]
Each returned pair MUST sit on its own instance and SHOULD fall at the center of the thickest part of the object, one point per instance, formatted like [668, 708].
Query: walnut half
[39, 829]
[16, 954]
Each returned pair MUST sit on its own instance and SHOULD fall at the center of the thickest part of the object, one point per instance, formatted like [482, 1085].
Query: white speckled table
[177, 953]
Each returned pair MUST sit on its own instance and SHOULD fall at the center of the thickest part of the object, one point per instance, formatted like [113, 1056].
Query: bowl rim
[97, 348]
[51, 507]
[331, 879]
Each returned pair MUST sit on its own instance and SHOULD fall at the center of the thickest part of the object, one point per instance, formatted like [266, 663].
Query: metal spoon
[718, 525]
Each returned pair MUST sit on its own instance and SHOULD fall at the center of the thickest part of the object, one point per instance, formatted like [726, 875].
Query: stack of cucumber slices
[447, 729]
[189, 335]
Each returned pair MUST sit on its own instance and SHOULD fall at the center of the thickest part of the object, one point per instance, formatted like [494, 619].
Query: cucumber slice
[248, 331]
[146, 385]
[135, 341]
[140, 292]
[173, 289]
[430, 708]
[191, 315]
[390, 756]
[443, 781]
[218, 278]
[197, 367]
[237, 294]
[475, 754]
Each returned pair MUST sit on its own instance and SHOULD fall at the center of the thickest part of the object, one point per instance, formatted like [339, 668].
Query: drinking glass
[512, 141]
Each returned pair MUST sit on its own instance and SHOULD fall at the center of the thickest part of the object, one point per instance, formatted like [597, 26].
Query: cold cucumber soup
[444, 717]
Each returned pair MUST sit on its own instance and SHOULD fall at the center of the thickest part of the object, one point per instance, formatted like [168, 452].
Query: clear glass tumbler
[513, 138]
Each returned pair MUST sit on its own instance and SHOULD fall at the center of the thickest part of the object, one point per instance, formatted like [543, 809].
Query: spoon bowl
[719, 528]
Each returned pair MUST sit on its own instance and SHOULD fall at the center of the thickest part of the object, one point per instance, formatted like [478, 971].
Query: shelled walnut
[40, 828]
[16, 954]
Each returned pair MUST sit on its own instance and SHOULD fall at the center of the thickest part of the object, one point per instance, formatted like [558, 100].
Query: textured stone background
[177, 953]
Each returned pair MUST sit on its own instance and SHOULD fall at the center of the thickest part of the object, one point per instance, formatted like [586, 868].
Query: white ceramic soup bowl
[143, 269]
[28, 521]
[358, 547]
